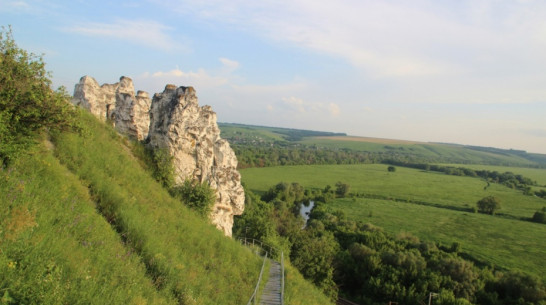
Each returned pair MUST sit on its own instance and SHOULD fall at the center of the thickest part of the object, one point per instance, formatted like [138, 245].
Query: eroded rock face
[117, 103]
[192, 136]
[99, 100]
[173, 121]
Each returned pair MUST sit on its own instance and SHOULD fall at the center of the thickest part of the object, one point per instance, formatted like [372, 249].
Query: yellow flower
[12, 265]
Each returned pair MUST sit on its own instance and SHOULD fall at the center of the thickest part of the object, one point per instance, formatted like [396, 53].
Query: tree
[342, 189]
[313, 254]
[391, 169]
[27, 103]
[539, 216]
[489, 205]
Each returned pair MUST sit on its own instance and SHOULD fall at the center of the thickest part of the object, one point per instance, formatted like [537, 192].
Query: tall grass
[185, 258]
[300, 292]
[54, 246]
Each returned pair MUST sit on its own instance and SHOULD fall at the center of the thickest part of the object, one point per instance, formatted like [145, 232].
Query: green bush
[539, 216]
[198, 196]
[27, 103]
[163, 168]
[489, 205]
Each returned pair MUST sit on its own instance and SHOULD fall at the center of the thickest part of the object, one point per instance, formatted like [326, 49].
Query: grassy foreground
[432, 206]
[83, 223]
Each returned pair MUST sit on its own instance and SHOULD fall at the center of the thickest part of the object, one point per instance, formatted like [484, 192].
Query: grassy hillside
[432, 206]
[268, 134]
[83, 222]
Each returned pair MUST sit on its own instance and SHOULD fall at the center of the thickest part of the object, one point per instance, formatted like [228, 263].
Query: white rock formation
[117, 103]
[99, 100]
[173, 121]
[192, 136]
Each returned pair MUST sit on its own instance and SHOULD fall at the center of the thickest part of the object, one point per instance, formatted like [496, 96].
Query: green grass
[493, 240]
[405, 184]
[81, 222]
[54, 246]
[298, 291]
[183, 255]
[248, 133]
[443, 213]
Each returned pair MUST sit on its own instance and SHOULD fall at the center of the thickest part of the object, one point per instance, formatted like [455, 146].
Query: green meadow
[430, 205]
[406, 184]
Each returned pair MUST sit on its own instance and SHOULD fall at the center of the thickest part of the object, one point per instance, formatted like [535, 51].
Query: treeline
[508, 179]
[367, 265]
[283, 153]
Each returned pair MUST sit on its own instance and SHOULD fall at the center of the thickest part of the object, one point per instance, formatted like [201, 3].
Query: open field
[406, 184]
[442, 215]
[497, 241]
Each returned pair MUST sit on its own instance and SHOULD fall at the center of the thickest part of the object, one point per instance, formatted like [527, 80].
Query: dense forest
[361, 262]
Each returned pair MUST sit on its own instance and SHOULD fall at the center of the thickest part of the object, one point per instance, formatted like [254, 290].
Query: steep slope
[81, 222]
[54, 246]
[174, 122]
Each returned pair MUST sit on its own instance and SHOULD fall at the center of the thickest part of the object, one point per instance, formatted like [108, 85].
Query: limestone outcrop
[192, 136]
[116, 103]
[173, 120]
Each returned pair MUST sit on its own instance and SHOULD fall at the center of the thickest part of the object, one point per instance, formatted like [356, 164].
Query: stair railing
[254, 296]
[254, 242]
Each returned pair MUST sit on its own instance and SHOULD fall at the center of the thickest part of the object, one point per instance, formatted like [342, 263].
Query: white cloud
[17, 4]
[295, 103]
[200, 79]
[146, 33]
[334, 109]
[298, 105]
[397, 39]
[229, 65]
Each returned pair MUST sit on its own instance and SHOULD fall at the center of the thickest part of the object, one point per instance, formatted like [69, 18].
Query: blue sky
[466, 71]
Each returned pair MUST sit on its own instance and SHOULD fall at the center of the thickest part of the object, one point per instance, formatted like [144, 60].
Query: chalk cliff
[192, 136]
[116, 103]
[173, 121]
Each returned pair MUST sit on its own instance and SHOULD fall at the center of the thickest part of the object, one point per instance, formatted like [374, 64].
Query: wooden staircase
[271, 295]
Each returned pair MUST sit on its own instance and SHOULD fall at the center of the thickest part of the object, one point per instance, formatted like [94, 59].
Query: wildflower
[12, 265]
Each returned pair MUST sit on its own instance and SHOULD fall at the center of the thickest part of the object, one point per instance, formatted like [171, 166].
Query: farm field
[443, 214]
